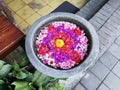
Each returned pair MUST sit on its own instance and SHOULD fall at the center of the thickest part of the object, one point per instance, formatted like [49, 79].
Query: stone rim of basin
[89, 30]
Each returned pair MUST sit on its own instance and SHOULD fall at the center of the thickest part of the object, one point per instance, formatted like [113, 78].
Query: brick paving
[26, 12]
[105, 75]
[91, 8]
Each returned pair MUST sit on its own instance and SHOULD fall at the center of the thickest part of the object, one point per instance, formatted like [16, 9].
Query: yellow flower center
[59, 43]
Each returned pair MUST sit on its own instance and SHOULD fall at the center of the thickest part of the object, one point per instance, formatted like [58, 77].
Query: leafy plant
[15, 77]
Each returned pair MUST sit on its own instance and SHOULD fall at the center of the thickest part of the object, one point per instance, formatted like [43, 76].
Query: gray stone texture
[108, 60]
[112, 81]
[79, 87]
[92, 5]
[106, 33]
[102, 33]
[100, 70]
[103, 87]
[114, 3]
[95, 23]
[90, 81]
[107, 24]
[118, 11]
[117, 41]
[116, 69]
[109, 9]
[99, 20]
[103, 12]
[102, 39]
[101, 16]
[115, 50]
[110, 26]
[88, 29]
[114, 20]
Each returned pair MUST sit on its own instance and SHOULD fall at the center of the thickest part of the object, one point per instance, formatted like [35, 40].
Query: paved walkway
[26, 12]
[105, 75]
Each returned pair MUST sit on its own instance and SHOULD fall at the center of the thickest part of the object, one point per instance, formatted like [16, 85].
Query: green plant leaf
[40, 80]
[5, 70]
[37, 74]
[24, 62]
[21, 75]
[29, 77]
[1, 64]
[54, 80]
[21, 85]
[49, 85]
[41, 88]
[59, 87]
[22, 54]
[3, 85]
[16, 66]
[47, 80]
[2, 82]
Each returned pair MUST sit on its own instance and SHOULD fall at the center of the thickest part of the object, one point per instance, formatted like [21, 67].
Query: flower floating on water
[61, 45]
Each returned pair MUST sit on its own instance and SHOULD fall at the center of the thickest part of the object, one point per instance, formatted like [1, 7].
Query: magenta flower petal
[74, 48]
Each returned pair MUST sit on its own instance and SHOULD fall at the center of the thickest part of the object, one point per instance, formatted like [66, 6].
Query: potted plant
[15, 77]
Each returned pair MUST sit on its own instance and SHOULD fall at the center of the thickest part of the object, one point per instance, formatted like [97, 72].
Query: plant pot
[93, 47]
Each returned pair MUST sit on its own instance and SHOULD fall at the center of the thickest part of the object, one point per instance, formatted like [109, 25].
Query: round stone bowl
[91, 34]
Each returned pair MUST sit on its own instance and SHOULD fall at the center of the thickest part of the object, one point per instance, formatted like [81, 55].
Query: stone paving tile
[113, 23]
[101, 46]
[115, 50]
[89, 6]
[99, 20]
[95, 4]
[96, 1]
[114, 3]
[104, 13]
[84, 15]
[108, 60]
[103, 87]
[101, 16]
[25, 12]
[90, 81]
[16, 5]
[85, 11]
[112, 81]
[100, 70]
[105, 33]
[118, 11]
[95, 24]
[102, 40]
[109, 26]
[112, 29]
[114, 19]
[79, 87]
[108, 8]
[92, 5]
[116, 69]
[117, 41]
[112, 26]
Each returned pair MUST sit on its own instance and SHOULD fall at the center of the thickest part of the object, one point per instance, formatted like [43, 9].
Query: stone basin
[90, 32]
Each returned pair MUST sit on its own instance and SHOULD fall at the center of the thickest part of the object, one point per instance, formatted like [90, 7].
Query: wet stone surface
[35, 6]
